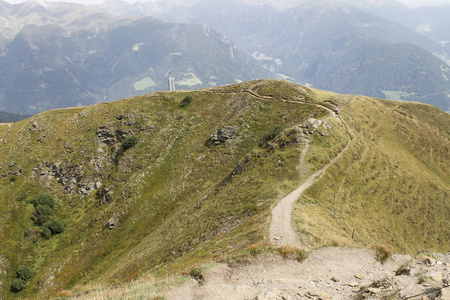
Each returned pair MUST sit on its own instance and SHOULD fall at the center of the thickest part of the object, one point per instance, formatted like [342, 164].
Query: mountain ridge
[200, 179]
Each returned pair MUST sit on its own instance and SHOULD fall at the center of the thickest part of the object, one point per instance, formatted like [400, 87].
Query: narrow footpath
[329, 273]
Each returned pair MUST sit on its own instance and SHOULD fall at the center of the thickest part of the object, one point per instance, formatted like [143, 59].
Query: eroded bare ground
[328, 273]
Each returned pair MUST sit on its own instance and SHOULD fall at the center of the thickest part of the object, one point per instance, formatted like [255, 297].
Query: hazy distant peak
[376, 3]
[39, 2]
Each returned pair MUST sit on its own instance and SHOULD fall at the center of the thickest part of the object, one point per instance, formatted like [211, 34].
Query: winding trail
[281, 231]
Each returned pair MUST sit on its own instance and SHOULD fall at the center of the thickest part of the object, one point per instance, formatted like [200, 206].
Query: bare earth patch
[328, 273]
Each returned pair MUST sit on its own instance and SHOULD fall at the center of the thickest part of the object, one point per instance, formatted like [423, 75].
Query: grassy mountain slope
[202, 179]
[391, 186]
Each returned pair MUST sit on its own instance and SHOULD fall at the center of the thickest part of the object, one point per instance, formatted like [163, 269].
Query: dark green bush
[46, 233]
[129, 142]
[12, 178]
[55, 226]
[39, 220]
[21, 196]
[196, 274]
[270, 136]
[44, 210]
[25, 273]
[44, 200]
[17, 285]
[186, 100]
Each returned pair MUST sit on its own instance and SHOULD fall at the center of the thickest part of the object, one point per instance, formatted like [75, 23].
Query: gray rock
[105, 195]
[107, 134]
[436, 276]
[221, 135]
[445, 293]
[320, 295]
[112, 223]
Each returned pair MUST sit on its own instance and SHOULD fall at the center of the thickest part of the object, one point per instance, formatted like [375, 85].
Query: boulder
[221, 135]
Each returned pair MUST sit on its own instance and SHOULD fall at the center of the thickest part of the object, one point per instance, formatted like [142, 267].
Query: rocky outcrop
[72, 176]
[419, 278]
[111, 224]
[222, 135]
[105, 195]
[327, 274]
[13, 170]
[111, 135]
[238, 169]
[315, 125]
[3, 271]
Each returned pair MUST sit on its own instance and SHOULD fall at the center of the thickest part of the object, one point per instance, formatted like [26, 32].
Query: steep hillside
[161, 183]
[58, 55]
[390, 187]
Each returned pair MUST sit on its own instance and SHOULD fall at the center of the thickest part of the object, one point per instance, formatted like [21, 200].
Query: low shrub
[55, 226]
[21, 196]
[186, 100]
[403, 270]
[46, 233]
[17, 285]
[270, 136]
[44, 210]
[292, 252]
[129, 142]
[39, 220]
[382, 253]
[196, 273]
[257, 249]
[25, 273]
[44, 199]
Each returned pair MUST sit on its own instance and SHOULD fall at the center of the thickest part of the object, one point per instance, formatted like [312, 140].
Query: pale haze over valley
[351, 48]
[410, 3]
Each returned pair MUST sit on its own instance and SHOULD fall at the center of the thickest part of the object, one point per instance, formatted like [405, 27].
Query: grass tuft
[382, 253]
[292, 252]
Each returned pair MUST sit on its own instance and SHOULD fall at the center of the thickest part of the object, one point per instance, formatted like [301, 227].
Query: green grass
[173, 195]
[392, 185]
[181, 203]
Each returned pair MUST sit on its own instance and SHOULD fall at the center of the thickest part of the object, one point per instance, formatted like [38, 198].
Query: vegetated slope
[391, 187]
[58, 55]
[176, 195]
[163, 182]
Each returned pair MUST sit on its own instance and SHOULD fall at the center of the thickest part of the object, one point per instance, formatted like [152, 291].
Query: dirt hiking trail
[328, 274]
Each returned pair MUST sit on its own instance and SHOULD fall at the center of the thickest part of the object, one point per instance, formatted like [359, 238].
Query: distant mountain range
[377, 48]
[60, 54]
[8, 117]
[335, 46]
